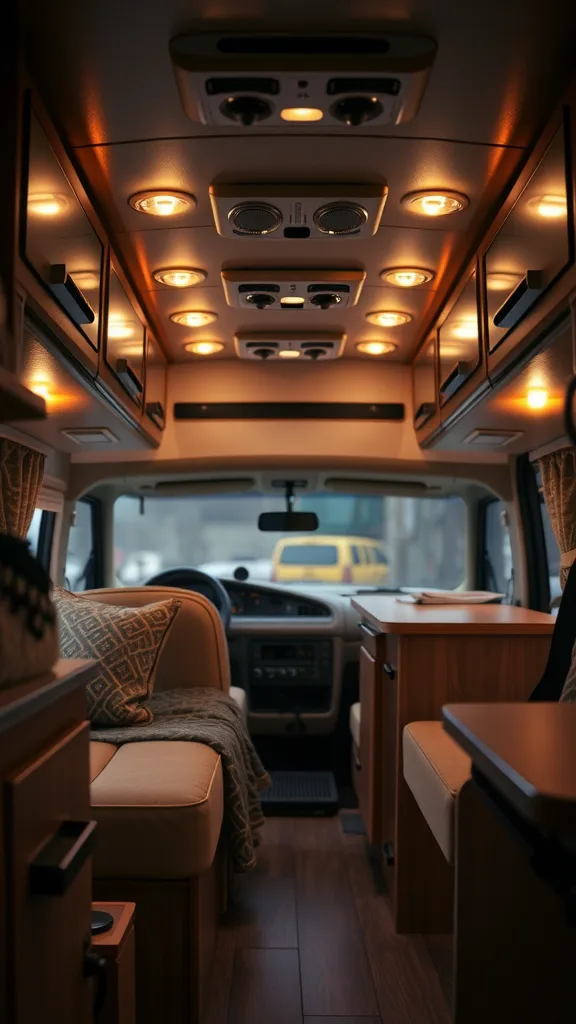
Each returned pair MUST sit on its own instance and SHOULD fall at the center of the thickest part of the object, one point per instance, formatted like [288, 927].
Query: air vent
[303, 83]
[304, 346]
[90, 435]
[282, 291]
[492, 438]
[280, 211]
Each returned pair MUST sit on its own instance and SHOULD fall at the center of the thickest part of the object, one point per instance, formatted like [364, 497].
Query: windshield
[363, 540]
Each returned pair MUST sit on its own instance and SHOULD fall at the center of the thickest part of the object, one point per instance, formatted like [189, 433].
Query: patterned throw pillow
[126, 642]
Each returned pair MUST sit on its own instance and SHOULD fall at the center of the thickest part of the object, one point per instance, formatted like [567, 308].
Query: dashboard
[257, 602]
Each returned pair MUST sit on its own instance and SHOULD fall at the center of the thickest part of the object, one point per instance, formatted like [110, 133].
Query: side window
[40, 534]
[497, 572]
[33, 535]
[380, 557]
[80, 557]
[552, 549]
[355, 555]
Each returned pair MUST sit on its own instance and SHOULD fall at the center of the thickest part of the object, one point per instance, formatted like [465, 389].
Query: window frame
[528, 497]
[94, 578]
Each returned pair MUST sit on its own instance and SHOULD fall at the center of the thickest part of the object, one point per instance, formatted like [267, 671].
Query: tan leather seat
[355, 713]
[435, 768]
[159, 808]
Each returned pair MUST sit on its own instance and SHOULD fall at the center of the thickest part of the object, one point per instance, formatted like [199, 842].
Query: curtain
[558, 472]
[21, 472]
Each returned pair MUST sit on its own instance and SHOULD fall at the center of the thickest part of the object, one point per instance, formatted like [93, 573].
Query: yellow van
[329, 559]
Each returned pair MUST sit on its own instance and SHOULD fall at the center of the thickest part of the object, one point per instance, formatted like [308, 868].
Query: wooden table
[414, 660]
[515, 948]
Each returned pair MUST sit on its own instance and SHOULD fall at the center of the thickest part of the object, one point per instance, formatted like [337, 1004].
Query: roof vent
[90, 435]
[492, 438]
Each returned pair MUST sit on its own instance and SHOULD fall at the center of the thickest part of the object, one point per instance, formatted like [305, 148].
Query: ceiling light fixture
[179, 277]
[467, 330]
[119, 329]
[549, 207]
[376, 348]
[434, 203]
[289, 353]
[406, 277]
[301, 114]
[292, 300]
[502, 282]
[537, 398]
[47, 204]
[388, 318]
[162, 204]
[193, 318]
[204, 348]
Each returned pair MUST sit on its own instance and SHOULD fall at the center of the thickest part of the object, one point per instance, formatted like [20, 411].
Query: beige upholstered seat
[355, 712]
[435, 768]
[158, 806]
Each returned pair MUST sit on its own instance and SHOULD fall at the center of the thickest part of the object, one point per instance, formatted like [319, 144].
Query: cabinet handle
[128, 378]
[60, 860]
[368, 629]
[69, 295]
[519, 301]
[389, 670]
[455, 378]
[423, 413]
[155, 410]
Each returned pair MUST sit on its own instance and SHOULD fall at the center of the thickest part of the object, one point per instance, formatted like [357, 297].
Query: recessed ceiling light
[47, 204]
[162, 204]
[376, 348]
[85, 280]
[301, 114]
[549, 207]
[388, 318]
[537, 398]
[502, 282]
[289, 353]
[179, 277]
[434, 203]
[204, 348]
[406, 277]
[291, 300]
[118, 329]
[467, 330]
[193, 318]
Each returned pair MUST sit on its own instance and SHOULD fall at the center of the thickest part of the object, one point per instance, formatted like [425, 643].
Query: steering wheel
[201, 582]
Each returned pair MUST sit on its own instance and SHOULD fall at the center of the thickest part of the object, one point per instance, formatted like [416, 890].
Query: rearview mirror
[288, 522]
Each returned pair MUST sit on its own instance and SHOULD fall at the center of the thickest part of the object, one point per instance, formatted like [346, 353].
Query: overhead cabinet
[425, 388]
[156, 380]
[125, 339]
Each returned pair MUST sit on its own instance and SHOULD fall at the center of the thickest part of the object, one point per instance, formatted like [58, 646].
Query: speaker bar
[289, 411]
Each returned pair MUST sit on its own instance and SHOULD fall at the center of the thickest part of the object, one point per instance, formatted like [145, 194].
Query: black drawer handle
[128, 379]
[368, 630]
[61, 858]
[423, 413]
[520, 300]
[69, 295]
[389, 670]
[155, 410]
[455, 378]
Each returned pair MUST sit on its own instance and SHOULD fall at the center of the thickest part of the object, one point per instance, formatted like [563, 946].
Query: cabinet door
[369, 780]
[125, 340]
[156, 377]
[48, 837]
[532, 247]
[424, 385]
[459, 341]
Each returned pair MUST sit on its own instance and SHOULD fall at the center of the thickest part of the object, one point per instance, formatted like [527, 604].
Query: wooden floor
[310, 940]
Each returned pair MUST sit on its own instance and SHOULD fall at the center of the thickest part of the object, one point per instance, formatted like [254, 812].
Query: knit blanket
[205, 715]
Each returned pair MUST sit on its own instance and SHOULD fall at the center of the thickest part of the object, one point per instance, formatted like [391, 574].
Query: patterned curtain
[21, 472]
[558, 472]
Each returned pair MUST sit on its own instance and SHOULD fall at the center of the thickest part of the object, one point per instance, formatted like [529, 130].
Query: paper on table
[450, 597]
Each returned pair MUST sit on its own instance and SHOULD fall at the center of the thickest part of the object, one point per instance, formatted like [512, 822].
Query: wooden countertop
[35, 694]
[387, 615]
[527, 752]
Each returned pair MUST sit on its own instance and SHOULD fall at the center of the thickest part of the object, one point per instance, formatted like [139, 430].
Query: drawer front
[48, 841]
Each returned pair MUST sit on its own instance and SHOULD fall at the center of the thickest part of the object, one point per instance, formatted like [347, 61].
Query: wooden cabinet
[117, 948]
[425, 388]
[156, 383]
[414, 660]
[46, 837]
[460, 340]
[125, 339]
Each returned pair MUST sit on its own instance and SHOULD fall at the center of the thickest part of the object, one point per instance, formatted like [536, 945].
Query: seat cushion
[159, 808]
[239, 696]
[355, 712]
[435, 768]
[127, 643]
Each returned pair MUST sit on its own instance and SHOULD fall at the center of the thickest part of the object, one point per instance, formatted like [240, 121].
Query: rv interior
[288, 512]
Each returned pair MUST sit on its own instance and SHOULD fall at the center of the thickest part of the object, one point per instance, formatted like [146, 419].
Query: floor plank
[441, 949]
[218, 994]
[265, 987]
[265, 916]
[342, 1020]
[335, 973]
[406, 981]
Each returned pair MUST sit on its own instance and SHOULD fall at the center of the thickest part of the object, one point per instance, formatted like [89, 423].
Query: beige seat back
[195, 652]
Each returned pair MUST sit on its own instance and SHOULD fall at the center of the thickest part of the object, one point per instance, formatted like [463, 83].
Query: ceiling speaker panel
[304, 346]
[280, 290]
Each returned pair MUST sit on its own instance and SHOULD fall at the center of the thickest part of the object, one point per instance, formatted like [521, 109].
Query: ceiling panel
[105, 67]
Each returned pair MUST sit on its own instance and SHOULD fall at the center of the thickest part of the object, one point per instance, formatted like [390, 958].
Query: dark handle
[155, 410]
[524, 294]
[128, 378]
[423, 413]
[368, 629]
[60, 860]
[389, 670]
[69, 295]
[95, 967]
[455, 378]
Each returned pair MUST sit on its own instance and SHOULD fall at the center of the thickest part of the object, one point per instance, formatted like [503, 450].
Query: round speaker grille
[255, 218]
[340, 218]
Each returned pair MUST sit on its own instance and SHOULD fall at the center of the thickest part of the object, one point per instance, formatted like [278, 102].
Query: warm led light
[301, 114]
[47, 204]
[406, 277]
[549, 207]
[41, 388]
[375, 348]
[466, 331]
[162, 204]
[434, 204]
[193, 318]
[388, 318]
[204, 348]
[537, 398]
[291, 300]
[504, 282]
[289, 353]
[179, 277]
[85, 280]
[119, 329]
